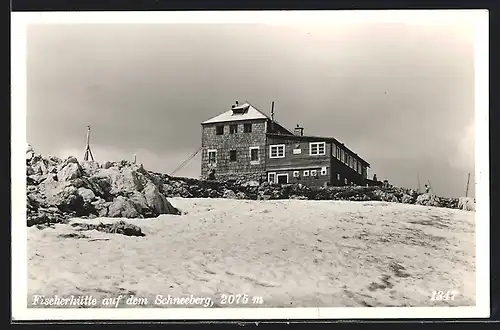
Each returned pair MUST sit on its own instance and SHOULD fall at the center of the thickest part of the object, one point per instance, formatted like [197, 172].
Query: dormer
[240, 109]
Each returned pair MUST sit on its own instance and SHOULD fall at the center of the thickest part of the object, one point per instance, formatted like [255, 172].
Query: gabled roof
[245, 111]
[320, 138]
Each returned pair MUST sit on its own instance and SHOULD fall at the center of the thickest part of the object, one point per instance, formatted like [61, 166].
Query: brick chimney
[299, 130]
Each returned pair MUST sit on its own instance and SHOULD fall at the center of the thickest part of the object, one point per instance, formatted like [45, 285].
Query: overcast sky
[401, 96]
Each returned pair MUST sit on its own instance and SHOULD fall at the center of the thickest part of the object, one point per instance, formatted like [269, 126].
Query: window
[345, 157]
[345, 180]
[295, 174]
[338, 177]
[338, 153]
[316, 148]
[359, 168]
[334, 149]
[212, 156]
[342, 155]
[233, 129]
[232, 155]
[219, 129]
[306, 173]
[271, 177]
[247, 128]
[355, 165]
[254, 154]
[323, 171]
[277, 151]
[314, 173]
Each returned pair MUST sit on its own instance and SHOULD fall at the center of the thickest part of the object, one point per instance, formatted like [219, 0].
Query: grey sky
[401, 96]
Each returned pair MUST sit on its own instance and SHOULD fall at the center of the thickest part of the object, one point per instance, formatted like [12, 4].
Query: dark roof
[322, 138]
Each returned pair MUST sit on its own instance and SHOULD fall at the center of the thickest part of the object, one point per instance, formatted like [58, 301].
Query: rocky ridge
[60, 189]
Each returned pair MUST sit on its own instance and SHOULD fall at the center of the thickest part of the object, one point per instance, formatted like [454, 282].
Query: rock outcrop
[189, 188]
[59, 189]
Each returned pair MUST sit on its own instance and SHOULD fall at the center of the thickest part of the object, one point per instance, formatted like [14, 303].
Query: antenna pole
[88, 152]
[272, 117]
[272, 111]
[135, 159]
[418, 182]
[467, 189]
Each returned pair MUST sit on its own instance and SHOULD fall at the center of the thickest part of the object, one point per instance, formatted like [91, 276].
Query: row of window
[347, 159]
[233, 129]
[273, 177]
[233, 155]
[315, 149]
[296, 174]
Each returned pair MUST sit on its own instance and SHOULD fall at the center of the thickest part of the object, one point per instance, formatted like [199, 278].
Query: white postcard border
[19, 143]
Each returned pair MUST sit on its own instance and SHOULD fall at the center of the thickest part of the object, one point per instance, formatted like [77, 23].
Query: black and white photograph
[239, 165]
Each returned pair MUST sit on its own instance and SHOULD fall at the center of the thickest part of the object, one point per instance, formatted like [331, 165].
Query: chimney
[299, 130]
[236, 102]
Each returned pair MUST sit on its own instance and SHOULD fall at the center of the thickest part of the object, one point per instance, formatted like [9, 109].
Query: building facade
[246, 144]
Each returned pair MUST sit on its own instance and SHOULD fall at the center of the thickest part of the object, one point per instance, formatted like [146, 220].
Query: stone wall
[241, 142]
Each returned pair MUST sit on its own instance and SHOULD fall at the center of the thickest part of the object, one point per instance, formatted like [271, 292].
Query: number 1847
[443, 295]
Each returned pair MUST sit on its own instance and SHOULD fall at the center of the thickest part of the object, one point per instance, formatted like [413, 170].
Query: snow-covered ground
[291, 253]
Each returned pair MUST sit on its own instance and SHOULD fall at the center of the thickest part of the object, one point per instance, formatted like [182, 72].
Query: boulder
[87, 194]
[408, 199]
[157, 203]
[122, 207]
[228, 193]
[466, 204]
[69, 172]
[428, 199]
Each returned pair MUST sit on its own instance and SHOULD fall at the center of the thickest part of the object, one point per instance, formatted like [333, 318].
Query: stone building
[245, 144]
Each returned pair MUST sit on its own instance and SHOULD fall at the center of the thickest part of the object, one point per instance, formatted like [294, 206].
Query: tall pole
[467, 189]
[88, 152]
[272, 117]
[418, 182]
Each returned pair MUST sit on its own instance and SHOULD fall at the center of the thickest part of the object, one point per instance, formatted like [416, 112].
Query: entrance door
[282, 178]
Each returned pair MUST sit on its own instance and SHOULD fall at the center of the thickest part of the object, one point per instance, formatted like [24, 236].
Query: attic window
[240, 110]
[219, 129]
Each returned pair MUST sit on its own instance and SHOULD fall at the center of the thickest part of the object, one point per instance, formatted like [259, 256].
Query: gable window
[317, 148]
[254, 154]
[233, 129]
[219, 129]
[212, 156]
[232, 155]
[306, 173]
[314, 173]
[271, 177]
[277, 151]
[323, 171]
[247, 128]
[295, 174]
